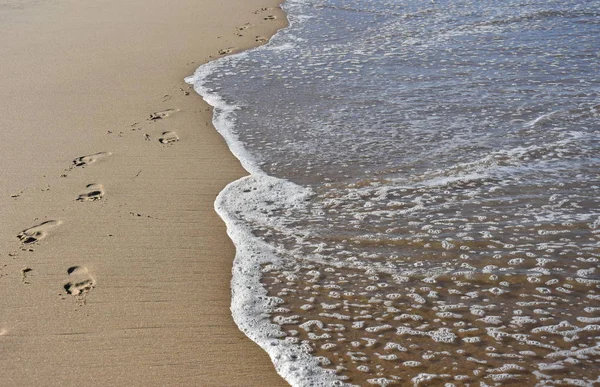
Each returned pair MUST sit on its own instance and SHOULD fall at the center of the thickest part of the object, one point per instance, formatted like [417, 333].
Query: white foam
[224, 113]
[429, 202]
[249, 298]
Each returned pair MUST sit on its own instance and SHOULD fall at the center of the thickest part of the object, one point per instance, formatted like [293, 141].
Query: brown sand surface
[131, 289]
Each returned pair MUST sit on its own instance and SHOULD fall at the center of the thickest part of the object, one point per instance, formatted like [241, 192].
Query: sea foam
[422, 205]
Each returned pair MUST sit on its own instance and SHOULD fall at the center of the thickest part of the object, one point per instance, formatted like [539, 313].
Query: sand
[114, 267]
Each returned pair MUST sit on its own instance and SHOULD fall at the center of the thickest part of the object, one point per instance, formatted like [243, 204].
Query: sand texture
[114, 267]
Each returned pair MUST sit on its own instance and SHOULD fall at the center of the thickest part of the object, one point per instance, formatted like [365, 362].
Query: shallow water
[423, 207]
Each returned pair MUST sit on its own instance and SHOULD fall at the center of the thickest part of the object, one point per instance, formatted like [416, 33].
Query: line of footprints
[82, 282]
[246, 28]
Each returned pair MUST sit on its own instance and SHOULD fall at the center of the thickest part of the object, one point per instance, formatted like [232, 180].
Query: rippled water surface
[424, 204]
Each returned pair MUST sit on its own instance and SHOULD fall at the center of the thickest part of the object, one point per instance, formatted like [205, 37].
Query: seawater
[423, 204]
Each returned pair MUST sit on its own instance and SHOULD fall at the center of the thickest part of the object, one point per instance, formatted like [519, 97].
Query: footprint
[24, 274]
[162, 114]
[263, 10]
[270, 17]
[261, 39]
[82, 282]
[93, 192]
[89, 159]
[228, 50]
[168, 138]
[36, 233]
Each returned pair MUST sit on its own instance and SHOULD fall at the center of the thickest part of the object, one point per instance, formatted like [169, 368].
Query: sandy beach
[114, 268]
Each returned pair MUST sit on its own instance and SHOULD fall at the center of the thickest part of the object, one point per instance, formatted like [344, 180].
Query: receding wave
[422, 206]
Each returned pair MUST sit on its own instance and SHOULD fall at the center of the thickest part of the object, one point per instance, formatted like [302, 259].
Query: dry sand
[124, 277]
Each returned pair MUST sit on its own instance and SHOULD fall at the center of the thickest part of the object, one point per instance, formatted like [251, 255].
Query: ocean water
[423, 201]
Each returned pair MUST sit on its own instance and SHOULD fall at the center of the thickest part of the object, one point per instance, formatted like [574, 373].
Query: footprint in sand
[270, 17]
[162, 114]
[36, 233]
[264, 9]
[25, 272]
[89, 159]
[82, 282]
[260, 39]
[93, 192]
[228, 50]
[168, 138]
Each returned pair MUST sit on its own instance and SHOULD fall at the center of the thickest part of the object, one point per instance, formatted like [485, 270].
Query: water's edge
[250, 303]
[443, 201]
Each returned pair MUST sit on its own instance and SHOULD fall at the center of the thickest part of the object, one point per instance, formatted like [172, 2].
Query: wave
[243, 205]
[386, 177]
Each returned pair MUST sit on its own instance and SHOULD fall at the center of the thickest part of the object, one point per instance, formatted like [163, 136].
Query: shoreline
[258, 190]
[409, 261]
[132, 288]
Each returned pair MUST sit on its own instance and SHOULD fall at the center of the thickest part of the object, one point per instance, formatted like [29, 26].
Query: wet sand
[114, 267]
